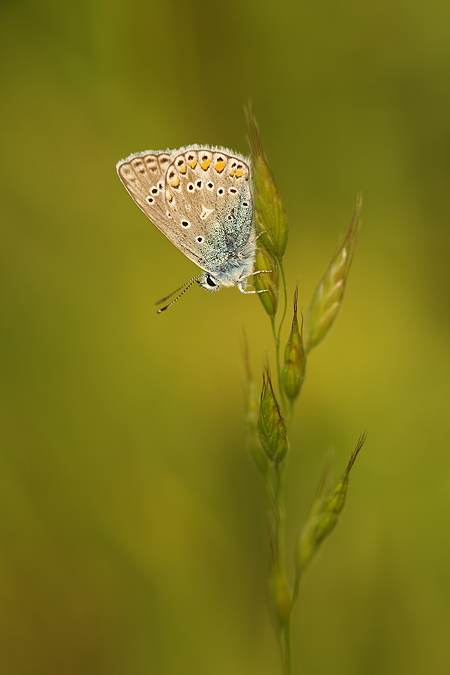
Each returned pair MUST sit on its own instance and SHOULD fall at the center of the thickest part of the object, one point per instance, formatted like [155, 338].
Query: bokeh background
[132, 523]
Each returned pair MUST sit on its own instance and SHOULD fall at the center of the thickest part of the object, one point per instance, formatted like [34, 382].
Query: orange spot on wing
[239, 173]
[205, 164]
[193, 163]
[220, 165]
[182, 169]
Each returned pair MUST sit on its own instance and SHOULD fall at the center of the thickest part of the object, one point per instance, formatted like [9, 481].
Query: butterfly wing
[142, 175]
[199, 197]
[208, 196]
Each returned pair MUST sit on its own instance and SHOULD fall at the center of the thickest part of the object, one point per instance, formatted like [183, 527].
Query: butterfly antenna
[178, 289]
[185, 287]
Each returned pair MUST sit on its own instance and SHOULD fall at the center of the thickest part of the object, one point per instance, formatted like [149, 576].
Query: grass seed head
[271, 425]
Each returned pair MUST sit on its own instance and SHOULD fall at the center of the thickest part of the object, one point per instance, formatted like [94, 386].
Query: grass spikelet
[270, 216]
[328, 296]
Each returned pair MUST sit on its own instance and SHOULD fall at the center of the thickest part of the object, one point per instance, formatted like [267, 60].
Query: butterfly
[200, 197]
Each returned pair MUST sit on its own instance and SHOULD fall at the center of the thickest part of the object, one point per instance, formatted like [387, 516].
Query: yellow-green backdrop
[132, 522]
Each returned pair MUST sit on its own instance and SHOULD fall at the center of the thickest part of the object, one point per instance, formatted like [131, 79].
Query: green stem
[280, 262]
[277, 335]
[280, 517]
[276, 495]
[287, 665]
[272, 493]
[296, 588]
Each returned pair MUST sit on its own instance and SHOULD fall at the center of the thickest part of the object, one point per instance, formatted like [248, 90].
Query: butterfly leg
[252, 274]
[242, 281]
[259, 272]
[264, 290]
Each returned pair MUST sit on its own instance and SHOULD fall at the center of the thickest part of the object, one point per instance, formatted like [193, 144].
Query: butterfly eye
[210, 282]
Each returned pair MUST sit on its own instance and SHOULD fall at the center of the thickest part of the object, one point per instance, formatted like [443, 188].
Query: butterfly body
[200, 197]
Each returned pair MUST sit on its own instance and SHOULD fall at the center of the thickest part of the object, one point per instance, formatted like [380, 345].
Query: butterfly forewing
[143, 177]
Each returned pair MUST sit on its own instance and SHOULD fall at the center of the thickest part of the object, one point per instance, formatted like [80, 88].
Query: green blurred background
[132, 523]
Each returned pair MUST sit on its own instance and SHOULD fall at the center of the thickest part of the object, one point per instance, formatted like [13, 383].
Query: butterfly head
[209, 282]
